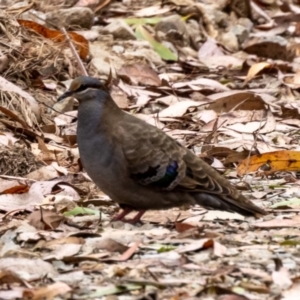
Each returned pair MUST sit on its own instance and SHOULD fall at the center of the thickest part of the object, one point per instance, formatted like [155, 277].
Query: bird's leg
[120, 216]
[125, 212]
[137, 217]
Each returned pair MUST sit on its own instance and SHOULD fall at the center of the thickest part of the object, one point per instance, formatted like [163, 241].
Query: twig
[81, 66]
[17, 178]
[63, 30]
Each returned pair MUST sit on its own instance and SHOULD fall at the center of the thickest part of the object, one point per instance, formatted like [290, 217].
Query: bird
[139, 166]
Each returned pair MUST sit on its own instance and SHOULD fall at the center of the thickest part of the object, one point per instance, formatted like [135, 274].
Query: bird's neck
[97, 116]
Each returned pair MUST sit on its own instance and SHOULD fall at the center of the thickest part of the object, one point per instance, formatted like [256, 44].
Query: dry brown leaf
[105, 244]
[126, 255]
[219, 250]
[210, 48]
[154, 10]
[271, 162]
[293, 292]
[27, 269]
[255, 69]
[281, 276]
[236, 100]
[200, 84]
[51, 245]
[271, 47]
[200, 244]
[48, 292]
[13, 116]
[18, 189]
[140, 74]
[35, 195]
[182, 227]
[177, 110]
[45, 219]
[292, 81]
[249, 127]
[225, 61]
[57, 36]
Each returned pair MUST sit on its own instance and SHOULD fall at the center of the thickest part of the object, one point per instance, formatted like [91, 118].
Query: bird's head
[83, 88]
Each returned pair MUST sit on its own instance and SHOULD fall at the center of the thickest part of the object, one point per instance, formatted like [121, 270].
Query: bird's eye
[81, 88]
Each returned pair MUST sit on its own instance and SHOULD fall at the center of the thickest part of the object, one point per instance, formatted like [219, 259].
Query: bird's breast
[96, 152]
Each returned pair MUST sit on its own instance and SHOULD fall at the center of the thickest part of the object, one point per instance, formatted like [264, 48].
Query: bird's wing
[153, 158]
[158, 161]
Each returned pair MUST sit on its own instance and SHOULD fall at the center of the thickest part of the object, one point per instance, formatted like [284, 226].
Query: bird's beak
[65, 95]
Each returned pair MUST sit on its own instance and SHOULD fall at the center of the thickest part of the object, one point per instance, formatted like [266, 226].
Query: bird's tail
[241, 205]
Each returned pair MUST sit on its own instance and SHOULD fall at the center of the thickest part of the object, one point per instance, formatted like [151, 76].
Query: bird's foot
[125, 212]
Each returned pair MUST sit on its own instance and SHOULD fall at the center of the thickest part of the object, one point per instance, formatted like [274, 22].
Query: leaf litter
[220, 78]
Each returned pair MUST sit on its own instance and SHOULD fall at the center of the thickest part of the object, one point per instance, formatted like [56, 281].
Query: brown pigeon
[138, 165]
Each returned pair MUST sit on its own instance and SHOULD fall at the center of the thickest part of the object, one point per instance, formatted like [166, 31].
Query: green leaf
[142, 21]
[165, 53]
[166, 249]
[290, 243]
[185, 18]
[294, 202]
[81, 211]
